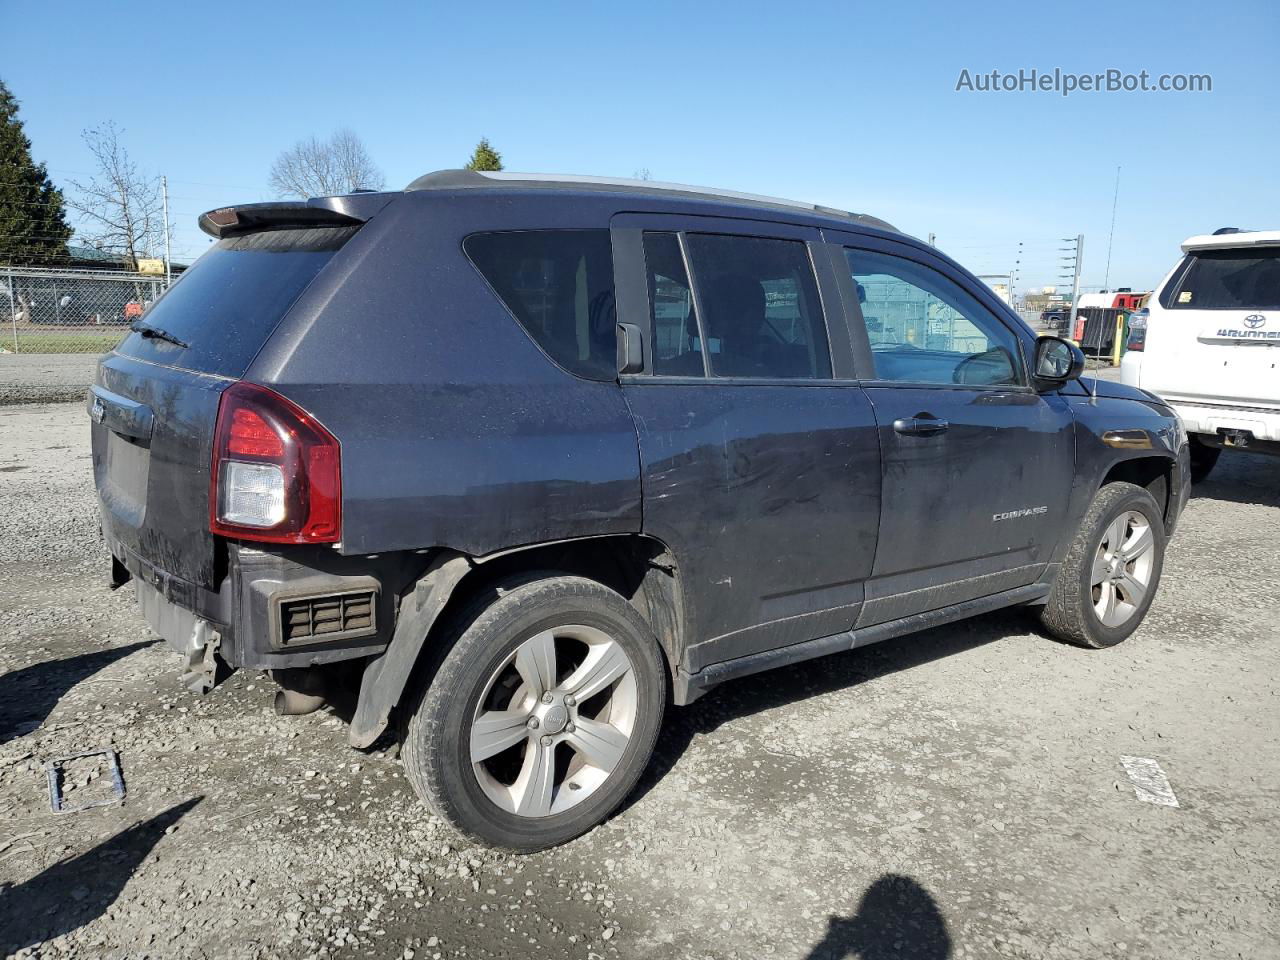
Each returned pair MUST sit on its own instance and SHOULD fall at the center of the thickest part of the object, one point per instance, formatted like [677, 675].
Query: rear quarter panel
[456, 430]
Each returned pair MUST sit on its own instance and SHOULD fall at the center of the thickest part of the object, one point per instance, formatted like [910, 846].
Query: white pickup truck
[1211, 344]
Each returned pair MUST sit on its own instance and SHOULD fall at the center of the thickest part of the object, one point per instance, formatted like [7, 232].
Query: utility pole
[1077, 255]
[164, 192]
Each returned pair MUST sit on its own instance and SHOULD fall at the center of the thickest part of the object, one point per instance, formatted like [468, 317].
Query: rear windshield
[228, 304]
[1229, 280]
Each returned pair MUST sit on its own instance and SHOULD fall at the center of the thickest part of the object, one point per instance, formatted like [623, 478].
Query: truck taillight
[277, 472]
[1137, 334]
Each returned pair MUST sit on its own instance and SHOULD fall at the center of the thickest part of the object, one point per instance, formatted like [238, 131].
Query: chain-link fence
[71, 311]
[57, 322]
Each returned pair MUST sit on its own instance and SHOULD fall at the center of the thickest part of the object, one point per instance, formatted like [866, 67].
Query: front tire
[1109, 578]
[541, 716]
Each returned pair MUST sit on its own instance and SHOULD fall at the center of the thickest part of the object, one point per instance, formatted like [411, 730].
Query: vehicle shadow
[896, 918]
[75, 892]
[28, 695]
[786, 685]
[1250, 478]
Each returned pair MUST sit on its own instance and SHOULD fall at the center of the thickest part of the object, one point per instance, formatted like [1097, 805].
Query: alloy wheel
[553, 721]
[1122, 568]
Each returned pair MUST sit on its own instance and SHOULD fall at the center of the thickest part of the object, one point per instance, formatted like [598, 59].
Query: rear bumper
[1215, 421]
[240, 624]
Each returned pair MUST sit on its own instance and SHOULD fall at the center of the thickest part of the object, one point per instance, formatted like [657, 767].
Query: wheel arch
[1153, 473]
[638, 567]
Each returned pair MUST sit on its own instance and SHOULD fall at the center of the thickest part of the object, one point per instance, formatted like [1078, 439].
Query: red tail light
[277, 472]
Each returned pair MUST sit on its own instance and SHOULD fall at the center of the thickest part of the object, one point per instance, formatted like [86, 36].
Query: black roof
[471, 179]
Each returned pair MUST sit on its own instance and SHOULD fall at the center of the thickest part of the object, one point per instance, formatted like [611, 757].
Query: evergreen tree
[485, 157]
[33, 220]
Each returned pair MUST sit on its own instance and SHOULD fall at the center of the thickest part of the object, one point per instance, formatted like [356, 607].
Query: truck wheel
[541, 716]
[1203, 459]
[1111, 572]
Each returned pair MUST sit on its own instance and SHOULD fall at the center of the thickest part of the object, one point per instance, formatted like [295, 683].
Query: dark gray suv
[516, 461]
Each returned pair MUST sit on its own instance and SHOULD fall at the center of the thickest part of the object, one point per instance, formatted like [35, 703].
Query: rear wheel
[542, 714]
[1203, 459]
[1110, 574]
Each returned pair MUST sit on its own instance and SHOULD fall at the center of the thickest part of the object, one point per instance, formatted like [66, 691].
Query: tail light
[1137, 334]
[277, 472]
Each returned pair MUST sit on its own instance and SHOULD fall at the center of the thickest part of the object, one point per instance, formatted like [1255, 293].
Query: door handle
[920, 426]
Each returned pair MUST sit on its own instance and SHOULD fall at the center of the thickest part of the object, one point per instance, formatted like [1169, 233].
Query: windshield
[1230, 280]
[226, 306]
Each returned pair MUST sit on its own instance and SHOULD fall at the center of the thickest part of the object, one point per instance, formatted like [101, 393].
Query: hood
[1087, 386]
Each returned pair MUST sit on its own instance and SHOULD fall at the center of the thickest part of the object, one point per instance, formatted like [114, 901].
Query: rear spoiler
[345, 211]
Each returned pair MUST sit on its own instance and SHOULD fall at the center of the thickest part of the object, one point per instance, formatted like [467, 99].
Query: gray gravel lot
[954, 794]
[44, 377]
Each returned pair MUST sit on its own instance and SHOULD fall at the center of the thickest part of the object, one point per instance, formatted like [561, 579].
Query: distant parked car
[1055, 319]
[1210, 344]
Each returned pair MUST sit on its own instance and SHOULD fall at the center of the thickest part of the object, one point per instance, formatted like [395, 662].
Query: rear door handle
[920, 426]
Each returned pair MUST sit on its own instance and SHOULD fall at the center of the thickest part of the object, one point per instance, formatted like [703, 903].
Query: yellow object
[1118, 345]
[151, 266]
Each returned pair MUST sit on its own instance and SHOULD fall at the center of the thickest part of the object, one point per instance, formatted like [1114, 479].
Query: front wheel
[1109, 577]
[542, 715]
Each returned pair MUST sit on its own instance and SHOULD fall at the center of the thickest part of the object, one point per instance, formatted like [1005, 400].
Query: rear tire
[1203, 459]
[1112, 569]
[541, 716]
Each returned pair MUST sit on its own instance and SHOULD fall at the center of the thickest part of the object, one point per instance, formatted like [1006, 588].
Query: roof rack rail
[446, 179]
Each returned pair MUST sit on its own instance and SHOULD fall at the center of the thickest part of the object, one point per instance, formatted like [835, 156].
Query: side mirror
[630, 349]
[1057, 361]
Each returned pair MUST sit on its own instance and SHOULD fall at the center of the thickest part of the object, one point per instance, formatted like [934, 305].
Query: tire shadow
[72, 893]
[1248, 478]
[810, 678]
[28, 695]
[896, 919]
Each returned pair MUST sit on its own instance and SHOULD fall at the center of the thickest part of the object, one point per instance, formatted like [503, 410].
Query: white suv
[1211, 344]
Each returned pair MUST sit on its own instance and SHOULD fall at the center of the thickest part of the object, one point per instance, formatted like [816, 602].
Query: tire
[1203, 459]
[1072, 612]
[527, 796]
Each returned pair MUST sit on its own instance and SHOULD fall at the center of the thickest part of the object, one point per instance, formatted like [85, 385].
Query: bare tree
[121, 208]
[321, 168]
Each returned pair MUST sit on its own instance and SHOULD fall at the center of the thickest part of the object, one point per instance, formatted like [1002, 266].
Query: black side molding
[688, 687]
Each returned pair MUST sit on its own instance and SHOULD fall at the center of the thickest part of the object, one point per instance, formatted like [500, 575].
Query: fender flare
[385, 677]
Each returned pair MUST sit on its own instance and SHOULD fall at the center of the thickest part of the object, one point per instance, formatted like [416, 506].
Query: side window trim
[695, 296]
[862, 343]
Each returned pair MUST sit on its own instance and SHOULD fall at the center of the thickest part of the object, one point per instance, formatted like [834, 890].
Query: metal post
[13, 309]
[164, 190]
[1075, 286]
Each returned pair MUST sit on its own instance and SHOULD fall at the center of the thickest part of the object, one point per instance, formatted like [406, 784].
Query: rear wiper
[147, 330]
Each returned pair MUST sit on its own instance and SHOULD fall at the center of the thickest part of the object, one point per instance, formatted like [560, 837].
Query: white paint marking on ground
[1149, 781]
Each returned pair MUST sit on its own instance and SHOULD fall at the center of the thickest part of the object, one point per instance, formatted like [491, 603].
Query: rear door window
[559, 286]
[761, 313]
[231, 300]
[1229, 280]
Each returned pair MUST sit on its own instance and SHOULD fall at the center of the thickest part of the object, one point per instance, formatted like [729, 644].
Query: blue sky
[847, 104]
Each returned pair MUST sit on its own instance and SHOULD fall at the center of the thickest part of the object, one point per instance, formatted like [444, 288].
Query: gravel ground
[954, 794]
[44, 377]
